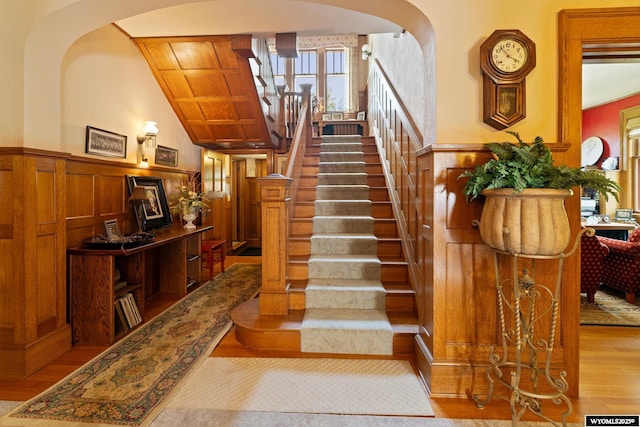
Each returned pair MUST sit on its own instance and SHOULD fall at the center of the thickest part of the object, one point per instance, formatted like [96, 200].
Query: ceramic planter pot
[532, 222]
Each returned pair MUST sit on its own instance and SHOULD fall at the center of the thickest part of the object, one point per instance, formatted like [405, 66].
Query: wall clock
[506, 58]
[592, 149]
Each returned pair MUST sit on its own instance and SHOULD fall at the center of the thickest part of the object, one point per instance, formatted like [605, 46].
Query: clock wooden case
[506, 58]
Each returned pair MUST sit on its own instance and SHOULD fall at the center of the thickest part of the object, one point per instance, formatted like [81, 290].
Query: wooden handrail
[398, 140]
[301, 138]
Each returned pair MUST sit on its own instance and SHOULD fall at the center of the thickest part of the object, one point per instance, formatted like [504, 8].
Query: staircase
[319, 239]
[345, 298]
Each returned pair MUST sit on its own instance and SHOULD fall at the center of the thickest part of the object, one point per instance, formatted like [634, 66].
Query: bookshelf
[169, 265]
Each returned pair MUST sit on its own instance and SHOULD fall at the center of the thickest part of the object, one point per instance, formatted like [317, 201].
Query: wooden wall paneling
[7, 297]
[98, 191]
[458, 309]
[34, 329]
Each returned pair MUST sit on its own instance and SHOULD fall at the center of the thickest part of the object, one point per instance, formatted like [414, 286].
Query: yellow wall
[43, 32]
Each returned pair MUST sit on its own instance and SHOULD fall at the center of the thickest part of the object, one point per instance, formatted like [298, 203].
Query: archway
[53, 35]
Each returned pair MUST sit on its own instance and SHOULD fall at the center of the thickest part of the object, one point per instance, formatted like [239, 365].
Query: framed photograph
[337, 116]
[623, 215]
[112, 230]
[104, 143]
[326, 117]
[155, 209]
[166, 156]
[361, 115]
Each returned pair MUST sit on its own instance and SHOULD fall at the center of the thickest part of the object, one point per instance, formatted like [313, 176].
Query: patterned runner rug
[610, 309]
[129, 383]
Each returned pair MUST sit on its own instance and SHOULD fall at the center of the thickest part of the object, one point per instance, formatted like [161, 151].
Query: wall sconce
[366, 52]
[150, 130]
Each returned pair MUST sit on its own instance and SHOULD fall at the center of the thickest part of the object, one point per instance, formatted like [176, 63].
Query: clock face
[509, 55]
[592, 149]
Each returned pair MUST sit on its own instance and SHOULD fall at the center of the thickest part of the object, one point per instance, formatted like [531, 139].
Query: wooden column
[275, 201]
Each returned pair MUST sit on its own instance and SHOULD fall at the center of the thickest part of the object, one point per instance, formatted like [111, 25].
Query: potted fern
[525, 191]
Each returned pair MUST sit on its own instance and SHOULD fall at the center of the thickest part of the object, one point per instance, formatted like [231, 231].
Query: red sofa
[592, 255]
[621, 269]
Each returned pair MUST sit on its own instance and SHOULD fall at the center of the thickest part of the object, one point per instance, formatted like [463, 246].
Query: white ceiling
[601, 83]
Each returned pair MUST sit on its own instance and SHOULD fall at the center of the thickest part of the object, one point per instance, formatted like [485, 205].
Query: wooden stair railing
[268, 91]
[276, 196]
[398, 141]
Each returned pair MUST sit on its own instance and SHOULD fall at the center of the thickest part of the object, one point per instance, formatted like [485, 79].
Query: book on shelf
[134, 307]
[121, 319]
[130, 309]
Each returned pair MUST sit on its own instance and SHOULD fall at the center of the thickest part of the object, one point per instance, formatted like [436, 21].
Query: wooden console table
[168, 265]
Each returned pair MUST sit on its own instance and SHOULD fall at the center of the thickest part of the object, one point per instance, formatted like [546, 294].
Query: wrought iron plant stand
[533, 309]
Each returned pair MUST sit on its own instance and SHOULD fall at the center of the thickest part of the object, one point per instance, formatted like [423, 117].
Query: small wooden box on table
[168, 265]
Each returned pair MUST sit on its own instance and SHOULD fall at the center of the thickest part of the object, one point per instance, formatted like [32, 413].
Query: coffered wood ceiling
[210, 85]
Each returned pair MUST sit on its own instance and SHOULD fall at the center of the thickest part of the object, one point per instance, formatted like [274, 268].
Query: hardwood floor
[609, 372]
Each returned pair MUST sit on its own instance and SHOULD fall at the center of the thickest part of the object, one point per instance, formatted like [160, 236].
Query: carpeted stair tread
[341, 156]
[342, 178]
[342, 192]
[343, 224]
[341, 147]
[353, 167]
[342, 207]
[348, 294]
[344, 243]
[344, 267]
[347, 331]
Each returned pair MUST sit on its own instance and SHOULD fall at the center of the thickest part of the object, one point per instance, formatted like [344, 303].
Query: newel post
[275, 201]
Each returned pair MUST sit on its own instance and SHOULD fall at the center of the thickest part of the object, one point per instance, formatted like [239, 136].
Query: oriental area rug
[131, 381]
[610, 308]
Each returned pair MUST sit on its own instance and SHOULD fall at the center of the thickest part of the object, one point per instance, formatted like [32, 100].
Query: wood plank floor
[609, 372]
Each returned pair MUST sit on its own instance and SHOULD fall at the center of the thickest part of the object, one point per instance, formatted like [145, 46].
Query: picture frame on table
[326, 117]
[155, 211]
[112, 230]
[166, 156]
[337, 116]
[104, 143]
[361, 115]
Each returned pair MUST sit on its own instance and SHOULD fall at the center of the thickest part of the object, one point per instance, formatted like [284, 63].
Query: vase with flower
[189, 202]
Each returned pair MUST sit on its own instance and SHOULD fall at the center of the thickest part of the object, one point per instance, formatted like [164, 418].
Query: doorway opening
[245, 206]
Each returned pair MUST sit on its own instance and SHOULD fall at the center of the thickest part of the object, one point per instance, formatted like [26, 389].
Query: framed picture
[112, 230]
[326, 117]
[155, 209]
[166, 156]
[104, 143]
[623, 215]
[360, 116]
[337, 116]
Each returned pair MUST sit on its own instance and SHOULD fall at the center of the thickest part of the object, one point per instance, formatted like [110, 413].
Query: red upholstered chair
[592, 254]
[621, 268]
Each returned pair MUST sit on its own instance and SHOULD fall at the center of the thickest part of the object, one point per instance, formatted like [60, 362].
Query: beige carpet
[610, 308]
[321, 386]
